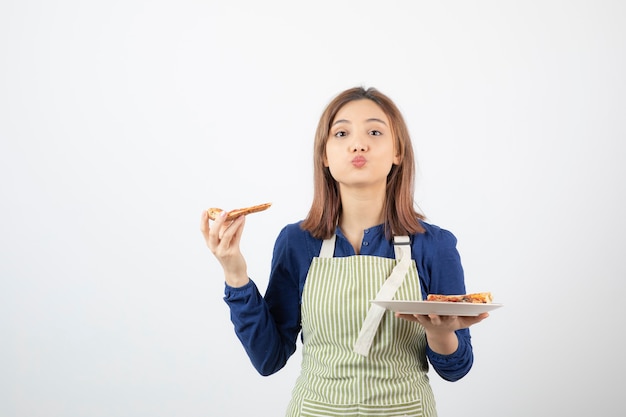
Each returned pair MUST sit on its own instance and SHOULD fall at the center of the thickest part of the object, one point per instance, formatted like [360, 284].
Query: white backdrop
[121, 120]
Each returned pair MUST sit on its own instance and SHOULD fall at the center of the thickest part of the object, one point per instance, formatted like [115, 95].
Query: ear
[325, 160]
[397, 149]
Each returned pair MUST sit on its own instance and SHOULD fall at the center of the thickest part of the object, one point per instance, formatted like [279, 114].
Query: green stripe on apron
[392, 379]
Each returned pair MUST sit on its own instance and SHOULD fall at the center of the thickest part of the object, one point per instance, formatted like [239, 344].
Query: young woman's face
[360, 150]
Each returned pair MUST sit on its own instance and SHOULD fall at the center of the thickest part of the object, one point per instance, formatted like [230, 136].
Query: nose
[359, 145]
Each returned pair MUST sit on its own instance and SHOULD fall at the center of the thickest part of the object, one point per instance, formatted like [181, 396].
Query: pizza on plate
[477, 297]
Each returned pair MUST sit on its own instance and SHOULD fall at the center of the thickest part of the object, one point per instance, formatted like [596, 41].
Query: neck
[359, 212]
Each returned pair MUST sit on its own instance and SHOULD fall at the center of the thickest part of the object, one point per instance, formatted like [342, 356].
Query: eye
[340, 134]
[375, 132]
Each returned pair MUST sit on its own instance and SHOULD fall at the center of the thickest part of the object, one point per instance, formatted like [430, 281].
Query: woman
[362, 238]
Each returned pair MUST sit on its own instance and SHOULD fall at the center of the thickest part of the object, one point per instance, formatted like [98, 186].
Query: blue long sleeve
[268, 326]
[268, 343]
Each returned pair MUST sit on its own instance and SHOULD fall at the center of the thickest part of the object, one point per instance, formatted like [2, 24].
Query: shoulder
[293, 231]
[436, 235]
[438, 260]
[434, 241]
[293, 238]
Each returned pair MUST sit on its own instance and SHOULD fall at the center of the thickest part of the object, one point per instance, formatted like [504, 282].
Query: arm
[268, 341]
[267, 331]
[449, 347]
[268, 326]
[456, 365]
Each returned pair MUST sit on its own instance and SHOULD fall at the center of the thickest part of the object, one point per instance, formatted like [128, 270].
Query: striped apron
[357, 358]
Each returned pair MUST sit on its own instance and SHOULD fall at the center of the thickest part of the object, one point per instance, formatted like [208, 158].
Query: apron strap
[402, 247]
[328, 247]
[399, 243]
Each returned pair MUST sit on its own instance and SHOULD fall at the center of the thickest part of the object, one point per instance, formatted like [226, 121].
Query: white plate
[437, 307]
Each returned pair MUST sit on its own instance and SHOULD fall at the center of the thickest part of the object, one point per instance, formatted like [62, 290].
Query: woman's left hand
[435, 322]
[440, 330]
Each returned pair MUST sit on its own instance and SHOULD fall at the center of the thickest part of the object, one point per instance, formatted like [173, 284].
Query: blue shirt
[268, 327]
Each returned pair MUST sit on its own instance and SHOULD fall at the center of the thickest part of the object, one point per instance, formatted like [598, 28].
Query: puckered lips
[358, 161]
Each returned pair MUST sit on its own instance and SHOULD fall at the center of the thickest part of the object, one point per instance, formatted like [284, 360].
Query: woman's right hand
[223, 237]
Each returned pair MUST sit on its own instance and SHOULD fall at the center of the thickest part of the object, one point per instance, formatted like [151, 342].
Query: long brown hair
[401, 217]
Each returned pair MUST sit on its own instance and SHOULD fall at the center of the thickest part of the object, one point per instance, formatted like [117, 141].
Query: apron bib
[359, 360]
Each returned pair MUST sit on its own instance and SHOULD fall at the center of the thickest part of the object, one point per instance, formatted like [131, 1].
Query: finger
[476, 319]
[434, 319]
[225, 223]
[224, 228]
[480, 317]
[409, 317]
[204, 225]
[214, 232]
[422, 319]
[231, 234]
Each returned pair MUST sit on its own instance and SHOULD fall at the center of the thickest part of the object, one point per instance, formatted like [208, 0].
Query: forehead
[359, 111]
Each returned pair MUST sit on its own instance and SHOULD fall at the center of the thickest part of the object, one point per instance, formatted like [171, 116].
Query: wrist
[236, 280]
[443, 343]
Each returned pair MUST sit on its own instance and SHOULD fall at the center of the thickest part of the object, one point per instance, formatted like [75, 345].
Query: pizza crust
[214, 212]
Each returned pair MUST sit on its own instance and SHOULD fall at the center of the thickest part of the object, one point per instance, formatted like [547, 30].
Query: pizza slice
[478, 297]
[214, 212]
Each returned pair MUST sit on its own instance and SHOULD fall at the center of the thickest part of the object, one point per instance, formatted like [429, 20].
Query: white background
[121, 120]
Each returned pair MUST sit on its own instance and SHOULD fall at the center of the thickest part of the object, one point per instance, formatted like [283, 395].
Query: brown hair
[401, 217]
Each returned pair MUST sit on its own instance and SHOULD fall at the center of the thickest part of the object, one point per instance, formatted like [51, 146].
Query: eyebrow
[371, 119]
